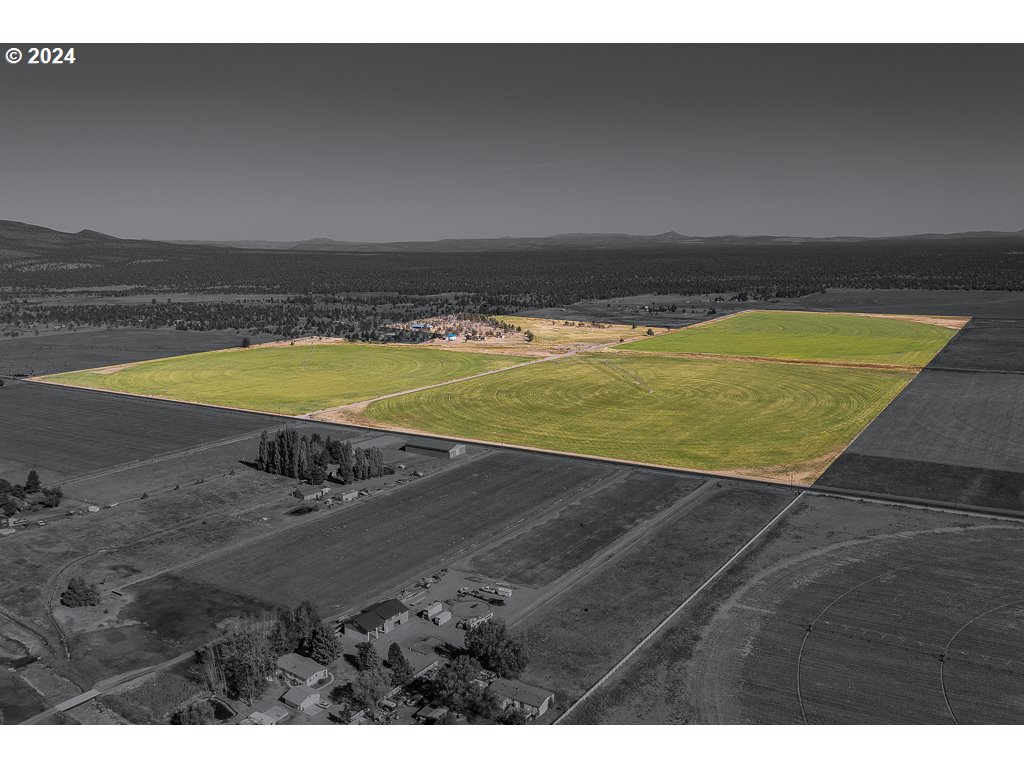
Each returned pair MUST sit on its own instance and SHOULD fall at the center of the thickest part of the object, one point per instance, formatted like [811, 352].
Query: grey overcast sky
[363, 142]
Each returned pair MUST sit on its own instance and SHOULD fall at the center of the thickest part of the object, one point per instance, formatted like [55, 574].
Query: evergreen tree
[307, 619]
[285, 634]
[324, 645]
[293, 453]
[302, 468]
[261, 457]
[272, 461]
[32, 485]
[359, 471]
[398, 665]
[345, 471]
[367, 657]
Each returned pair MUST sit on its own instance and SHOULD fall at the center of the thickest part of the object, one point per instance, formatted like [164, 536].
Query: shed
[350, 496]
[301, 697]
[434, 447]
[432, 610]
[442, 618]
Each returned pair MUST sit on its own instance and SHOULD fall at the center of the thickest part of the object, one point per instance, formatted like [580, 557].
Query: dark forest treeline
[358, 295]
[305, 315]
[529, 278]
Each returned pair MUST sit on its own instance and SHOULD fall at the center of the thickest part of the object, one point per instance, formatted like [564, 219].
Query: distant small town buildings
[433, 447]
[532, 700]
[301, 698]
[377, 620]
[304, 493]
[301, 670]
[272, 716]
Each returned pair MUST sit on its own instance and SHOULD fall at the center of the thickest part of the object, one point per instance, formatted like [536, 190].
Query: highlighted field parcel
[762, 394]
[757, 419]
[289, 379]
[811, 336]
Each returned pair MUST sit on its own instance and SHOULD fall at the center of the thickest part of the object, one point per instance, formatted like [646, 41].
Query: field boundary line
[678, 609]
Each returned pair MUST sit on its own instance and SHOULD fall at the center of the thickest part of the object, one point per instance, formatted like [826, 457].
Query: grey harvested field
[970, 421]
[852, 613]
[583, 528]
[90, 348]
[64, 432]
[604, 615]
[360, 551]
[984, 344]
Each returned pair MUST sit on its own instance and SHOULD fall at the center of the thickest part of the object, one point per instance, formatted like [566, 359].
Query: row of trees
[239, 662]
[307, 458]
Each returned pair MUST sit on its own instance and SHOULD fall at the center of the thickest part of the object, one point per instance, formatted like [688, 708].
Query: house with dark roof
[301, 670]
[377, 620]
[530, 699]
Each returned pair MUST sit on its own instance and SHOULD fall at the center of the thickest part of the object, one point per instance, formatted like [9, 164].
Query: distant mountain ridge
[20, 238]
[594, 240]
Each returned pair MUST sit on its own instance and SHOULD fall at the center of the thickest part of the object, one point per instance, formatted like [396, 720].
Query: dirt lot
[949, 436]
[851, 613]
[370, 547]
[72, 351]
[583, 527]
[65, 432]
[582, 633]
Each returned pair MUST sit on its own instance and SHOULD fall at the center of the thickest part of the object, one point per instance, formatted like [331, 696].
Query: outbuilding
[434, 447]
[377, 620]
[307, 493]
[301, 698]
[301, 670]
[530, 699]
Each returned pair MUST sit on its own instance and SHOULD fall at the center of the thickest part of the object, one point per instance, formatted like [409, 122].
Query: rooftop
[378, 613]
[519, 691]
[298, 695]
[300, 666]
[432, 443]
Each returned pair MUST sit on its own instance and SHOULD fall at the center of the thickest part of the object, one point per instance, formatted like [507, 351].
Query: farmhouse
[301, 698]
[301, 670]
[512, 693]
[377, 620]
[310, 494]
[433, 447]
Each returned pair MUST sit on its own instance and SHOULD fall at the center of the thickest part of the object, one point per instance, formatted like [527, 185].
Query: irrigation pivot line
[693, 596]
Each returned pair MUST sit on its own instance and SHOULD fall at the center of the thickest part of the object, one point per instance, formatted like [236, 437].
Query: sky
[422, 142]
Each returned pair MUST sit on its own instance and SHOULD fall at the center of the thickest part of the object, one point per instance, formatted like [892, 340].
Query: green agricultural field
[753, 418]
[289, 379]
[807, 336]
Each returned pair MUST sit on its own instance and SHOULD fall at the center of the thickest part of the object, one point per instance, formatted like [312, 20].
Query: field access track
[363, 550]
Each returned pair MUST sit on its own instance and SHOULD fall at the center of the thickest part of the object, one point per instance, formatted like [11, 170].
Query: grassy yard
[289, 379]
[752, 418]
[807, 336]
